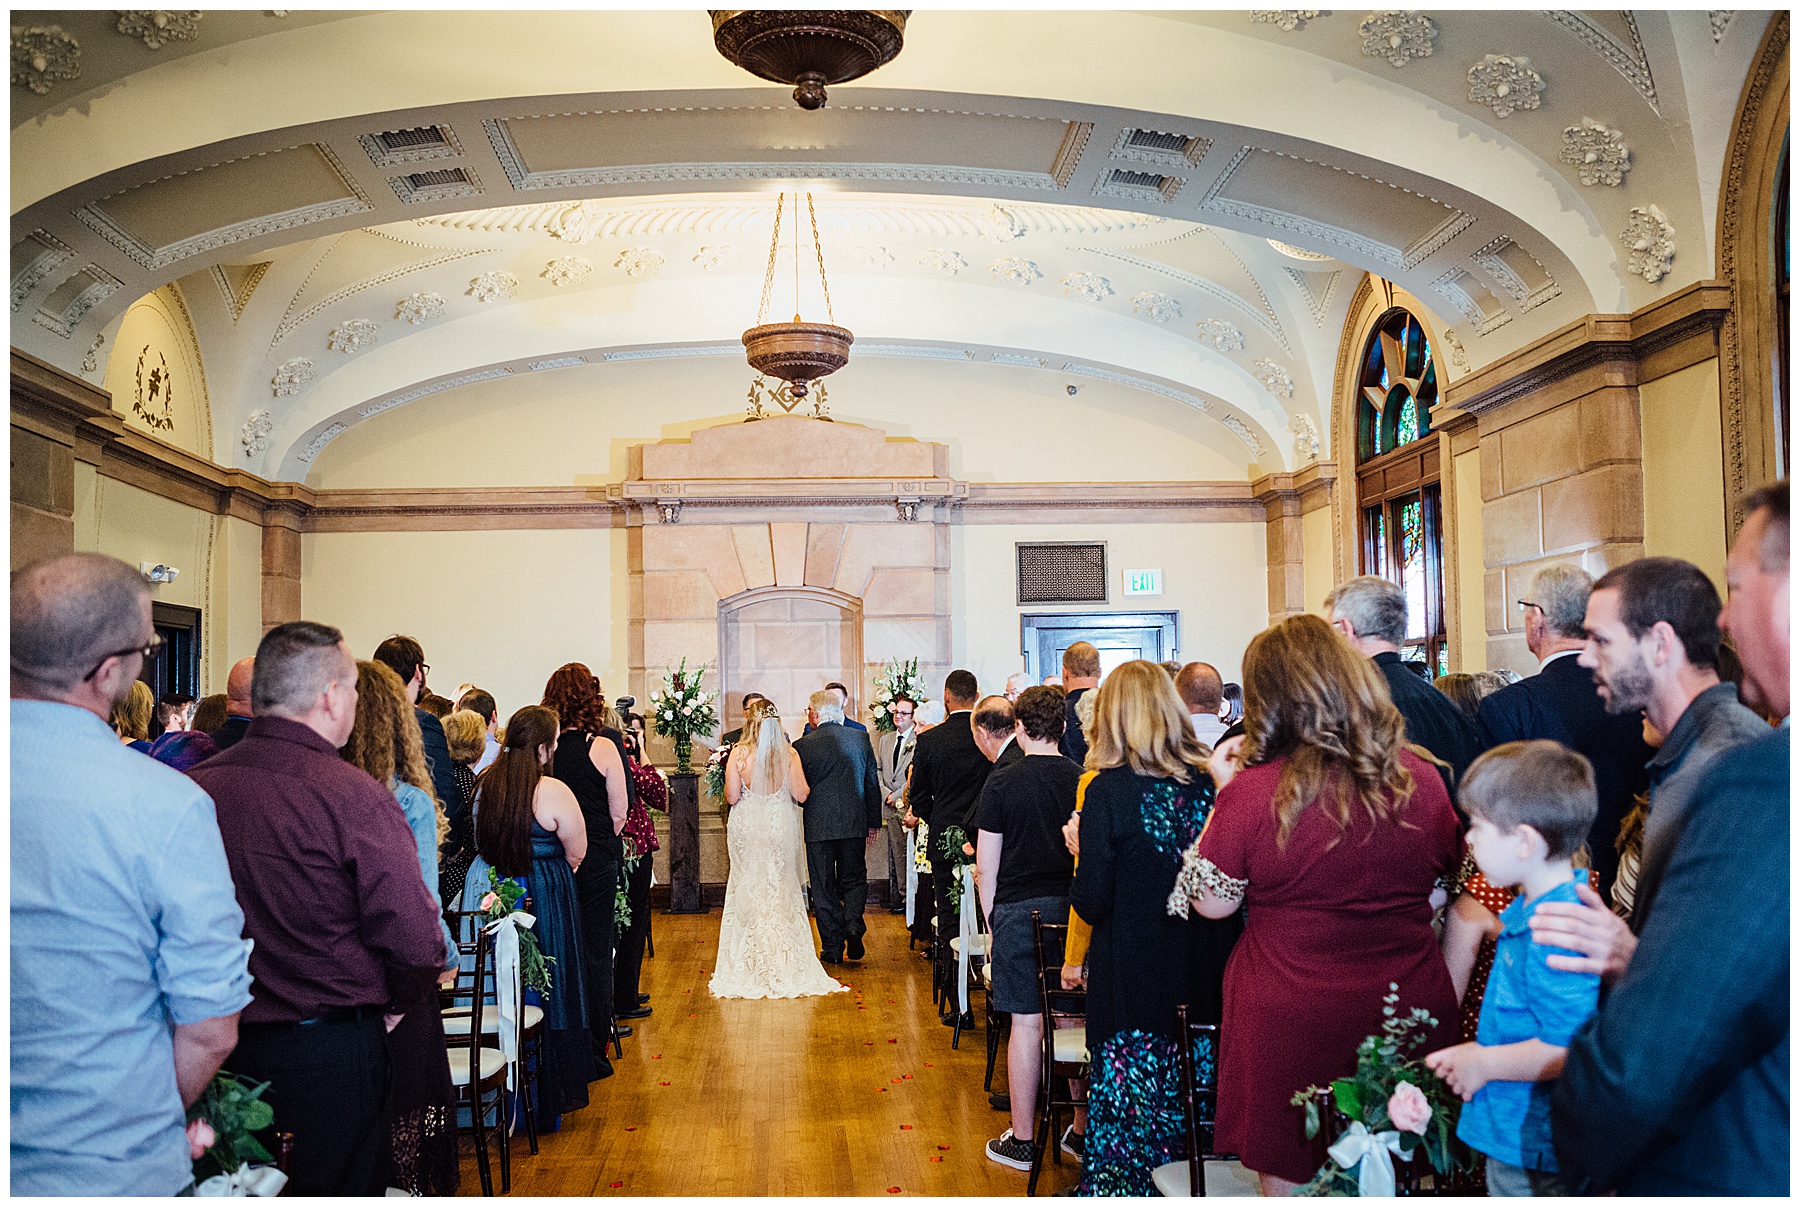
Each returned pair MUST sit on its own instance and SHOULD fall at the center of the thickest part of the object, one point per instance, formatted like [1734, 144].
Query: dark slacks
[949, 917]
[329, 1085]
[597, 888]
[629, 960]
[840, 884]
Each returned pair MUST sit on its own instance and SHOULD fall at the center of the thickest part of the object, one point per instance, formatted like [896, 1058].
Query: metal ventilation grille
[406, 140]
[427, 180]
[1156, 140]
[1062, 573]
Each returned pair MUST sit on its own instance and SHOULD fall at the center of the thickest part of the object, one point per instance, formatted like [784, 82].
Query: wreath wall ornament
[1650, 238]
[154, 401]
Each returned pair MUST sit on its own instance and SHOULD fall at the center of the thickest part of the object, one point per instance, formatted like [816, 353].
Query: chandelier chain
[769, 275]
[820, 252]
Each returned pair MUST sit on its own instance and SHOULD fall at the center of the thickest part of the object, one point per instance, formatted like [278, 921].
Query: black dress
[596, 883]
[459, 845]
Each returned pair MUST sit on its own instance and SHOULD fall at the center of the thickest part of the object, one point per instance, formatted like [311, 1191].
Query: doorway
[1120, 637]
[788, 642]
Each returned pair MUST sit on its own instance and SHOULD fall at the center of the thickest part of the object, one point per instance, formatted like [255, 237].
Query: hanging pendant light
[799, 352]
[809, 48]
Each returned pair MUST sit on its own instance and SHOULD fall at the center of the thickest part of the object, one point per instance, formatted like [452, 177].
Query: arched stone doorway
[788, 642]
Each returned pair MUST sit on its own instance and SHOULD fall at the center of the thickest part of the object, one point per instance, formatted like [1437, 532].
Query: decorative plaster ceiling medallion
[567, 270]
[1598, 152]
[1157, 307]
[291, 376]
[1274, 378]
[870, 259]
[809, 49]
[1299, 253]
[1505, 84]
[352, 335]
[1087, 286]
[1013, 270]
[255, 433]
[1397, 35]
[640, 262]
[1288, 19]
[1220, 334]
[716, 257]
[159, 26]
[43, 54]
[419, 307]
[942, 262]
[495, 286]
[1650, 238]
[1306, 439]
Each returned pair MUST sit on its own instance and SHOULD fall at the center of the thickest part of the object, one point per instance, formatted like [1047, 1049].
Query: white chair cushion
[978, 945]
[1224, 1179]
[456, 1020]
[1069, 1045]
[987, 974]
[490, 1058]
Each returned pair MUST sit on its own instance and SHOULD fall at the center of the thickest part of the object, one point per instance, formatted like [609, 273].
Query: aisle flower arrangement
[950, 843]
[896, 679]
[1397, 1107]
[502, 902]
[679, 709]
[221, 1143]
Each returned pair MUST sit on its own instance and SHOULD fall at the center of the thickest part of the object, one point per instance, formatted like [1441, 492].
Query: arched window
[1397, 479]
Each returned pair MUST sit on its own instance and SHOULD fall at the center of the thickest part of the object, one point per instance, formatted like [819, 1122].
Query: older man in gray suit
[843, 804]
[893, 760]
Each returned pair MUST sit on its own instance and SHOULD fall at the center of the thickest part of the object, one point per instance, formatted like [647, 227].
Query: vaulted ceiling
[365, 210]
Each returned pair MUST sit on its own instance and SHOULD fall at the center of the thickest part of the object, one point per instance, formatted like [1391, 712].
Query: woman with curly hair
[386, 743]
[590, 759]
[1334, 833]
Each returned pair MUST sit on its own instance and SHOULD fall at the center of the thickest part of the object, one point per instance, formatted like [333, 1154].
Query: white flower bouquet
[680, 708]
[896, 679]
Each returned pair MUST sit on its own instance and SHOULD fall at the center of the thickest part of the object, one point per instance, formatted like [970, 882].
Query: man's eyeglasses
[1527, 605]
[148, 650]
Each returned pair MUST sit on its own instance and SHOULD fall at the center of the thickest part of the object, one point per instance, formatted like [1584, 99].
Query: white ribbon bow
[912, 872]
[1369, 1152]
[259, 1181]
[507, 985]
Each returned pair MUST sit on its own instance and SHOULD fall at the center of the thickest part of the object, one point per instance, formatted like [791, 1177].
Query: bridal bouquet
[1395, 1104]
[680, 709]
[714, 779]
[896, 679]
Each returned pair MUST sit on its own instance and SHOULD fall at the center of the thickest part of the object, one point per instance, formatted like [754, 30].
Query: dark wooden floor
[854, 1094]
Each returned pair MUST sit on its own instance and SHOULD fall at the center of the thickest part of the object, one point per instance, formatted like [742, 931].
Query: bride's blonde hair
[768, 745]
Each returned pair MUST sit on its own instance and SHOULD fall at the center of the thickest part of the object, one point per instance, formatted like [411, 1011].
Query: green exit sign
[1143, 582]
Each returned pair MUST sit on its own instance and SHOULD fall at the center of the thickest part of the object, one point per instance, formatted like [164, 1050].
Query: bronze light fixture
[809, 48]
[799, 352]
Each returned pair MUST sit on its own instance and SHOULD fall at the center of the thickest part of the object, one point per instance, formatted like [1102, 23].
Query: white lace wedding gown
[766, 946]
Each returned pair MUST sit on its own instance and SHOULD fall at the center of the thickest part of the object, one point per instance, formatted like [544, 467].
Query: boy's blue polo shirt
[1526, 999]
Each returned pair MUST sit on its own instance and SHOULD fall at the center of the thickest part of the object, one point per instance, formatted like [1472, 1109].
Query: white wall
[1684, 468]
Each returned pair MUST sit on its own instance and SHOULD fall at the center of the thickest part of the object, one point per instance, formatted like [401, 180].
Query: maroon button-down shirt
[327, 875]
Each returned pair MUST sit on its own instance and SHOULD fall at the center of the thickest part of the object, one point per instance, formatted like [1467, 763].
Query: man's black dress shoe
[896, 909]
[635, 1012]
[828, 959]
[642, 998]
[968, 1020]
[853, 948]
[623, 1032]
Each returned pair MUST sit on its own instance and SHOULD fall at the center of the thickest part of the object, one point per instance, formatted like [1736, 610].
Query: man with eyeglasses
[129, 965]
[893, 761]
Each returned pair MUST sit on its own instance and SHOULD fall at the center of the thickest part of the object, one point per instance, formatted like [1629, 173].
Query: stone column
[281, 600]
[55, 417]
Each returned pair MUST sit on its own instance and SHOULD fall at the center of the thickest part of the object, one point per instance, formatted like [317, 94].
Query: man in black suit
[1679, 1085]
[237, 704]
[948, 774]
[1371, 614]
[843, 815]
[843, 695]
[1560, 703]
[730, 738]
[1080, 674]
[406, 658]
[992, 724]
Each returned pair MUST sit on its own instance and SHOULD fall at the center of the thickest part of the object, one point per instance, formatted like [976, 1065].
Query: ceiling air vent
[1072, 572]
[417, 144]
[438, 184]
[1160, 147]
[1155, 140]
[1139, 186]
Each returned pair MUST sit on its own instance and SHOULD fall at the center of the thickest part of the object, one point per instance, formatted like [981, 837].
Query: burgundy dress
[1332, 919]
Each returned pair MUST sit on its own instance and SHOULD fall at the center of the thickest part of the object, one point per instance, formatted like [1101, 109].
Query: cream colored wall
[156, 376]
[561, 426]
[220, 559]
[1466, 561]
[1215, 575]
[1318, 564]
[498, 609]
[1684, 480]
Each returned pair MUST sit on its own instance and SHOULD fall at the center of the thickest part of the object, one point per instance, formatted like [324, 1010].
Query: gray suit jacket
[844, 793]
[892, 776]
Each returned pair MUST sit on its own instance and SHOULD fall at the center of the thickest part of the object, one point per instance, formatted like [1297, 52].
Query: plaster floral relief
[157, 27]
[568, 270]
[352, 335]
[942, 261]
[870, 259]
[1220, 334]
[1598, 153]
[1274, 378]
[91, 362]
[255, 433]
[1237, 427]
[1286, 19]
[1458, 357]
[716, 257]
[640, 262]
[1157, 307]
[1087, 286]
[291, 376]
[1506, 84]
[420, 307]
[1013, 270]
[42, 55]
[1306, 438]
[1397, 35]
[1650, 238]
[495, 286]
[1007, 224]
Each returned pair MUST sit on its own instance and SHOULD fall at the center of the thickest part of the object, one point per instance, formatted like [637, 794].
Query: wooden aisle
[854, 1094]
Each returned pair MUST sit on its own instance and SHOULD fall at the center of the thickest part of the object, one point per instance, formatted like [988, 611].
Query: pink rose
[200, 1137]
[1409, 1108]
[488, 902]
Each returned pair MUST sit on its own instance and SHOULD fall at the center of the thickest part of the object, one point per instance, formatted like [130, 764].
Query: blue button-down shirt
[1526, 999]
[124, 924]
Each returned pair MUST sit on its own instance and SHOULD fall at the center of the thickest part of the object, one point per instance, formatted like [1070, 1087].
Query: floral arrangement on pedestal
[896, 679]
[220, 1142]
[680, 709]
[1396, 1107]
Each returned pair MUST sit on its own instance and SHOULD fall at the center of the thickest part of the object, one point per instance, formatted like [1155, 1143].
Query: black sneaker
[853, 948]
[1074, 1143]
[1010, 1150]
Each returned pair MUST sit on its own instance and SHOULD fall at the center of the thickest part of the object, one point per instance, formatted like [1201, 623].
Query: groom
[843, 812]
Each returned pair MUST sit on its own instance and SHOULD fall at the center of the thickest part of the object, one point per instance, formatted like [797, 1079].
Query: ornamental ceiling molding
[1288, 20]
[42, 55]
[158, 27]
[353, 335]
[1506, 262]
[1318, 297]
[1265, 317]
[1597, 152]
[1506, 84]
[35, 257]
[1397, 35]
[1649, 237]
[1630, 61]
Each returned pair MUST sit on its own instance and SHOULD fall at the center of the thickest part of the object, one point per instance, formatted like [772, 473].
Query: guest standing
[1149, 803]
[530, 827]
[482, 705]
[638, 845]
[128, 965]
[1333, 835]
[1080, 675]
[893, 763]
[345, 930]
[237, 704]
[1202, 691]
[842, 817]
[589, 759]
[131, 716]
[992, 723]
[465, 737]
[406, 658]
[421, 1116]
[209, 715]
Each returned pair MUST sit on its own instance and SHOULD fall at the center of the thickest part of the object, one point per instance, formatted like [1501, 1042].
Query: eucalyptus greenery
[950, 843]
[534, 965]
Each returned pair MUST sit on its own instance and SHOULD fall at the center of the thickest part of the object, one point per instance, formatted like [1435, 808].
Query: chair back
[1196, 1092]
[474, 979]
[1050, 940]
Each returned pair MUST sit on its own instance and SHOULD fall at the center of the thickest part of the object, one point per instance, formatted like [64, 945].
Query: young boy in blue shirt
[1530, 806]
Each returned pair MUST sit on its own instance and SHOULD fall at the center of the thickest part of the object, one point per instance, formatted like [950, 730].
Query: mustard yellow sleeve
[1080, 933]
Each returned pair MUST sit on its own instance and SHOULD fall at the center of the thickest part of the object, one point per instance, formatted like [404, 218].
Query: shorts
[1513, 1181]
[1013, 954]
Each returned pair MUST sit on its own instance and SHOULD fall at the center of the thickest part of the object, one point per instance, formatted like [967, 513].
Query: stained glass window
[1398, 387]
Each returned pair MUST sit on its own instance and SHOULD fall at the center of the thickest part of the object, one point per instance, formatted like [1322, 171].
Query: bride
[766, 946]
